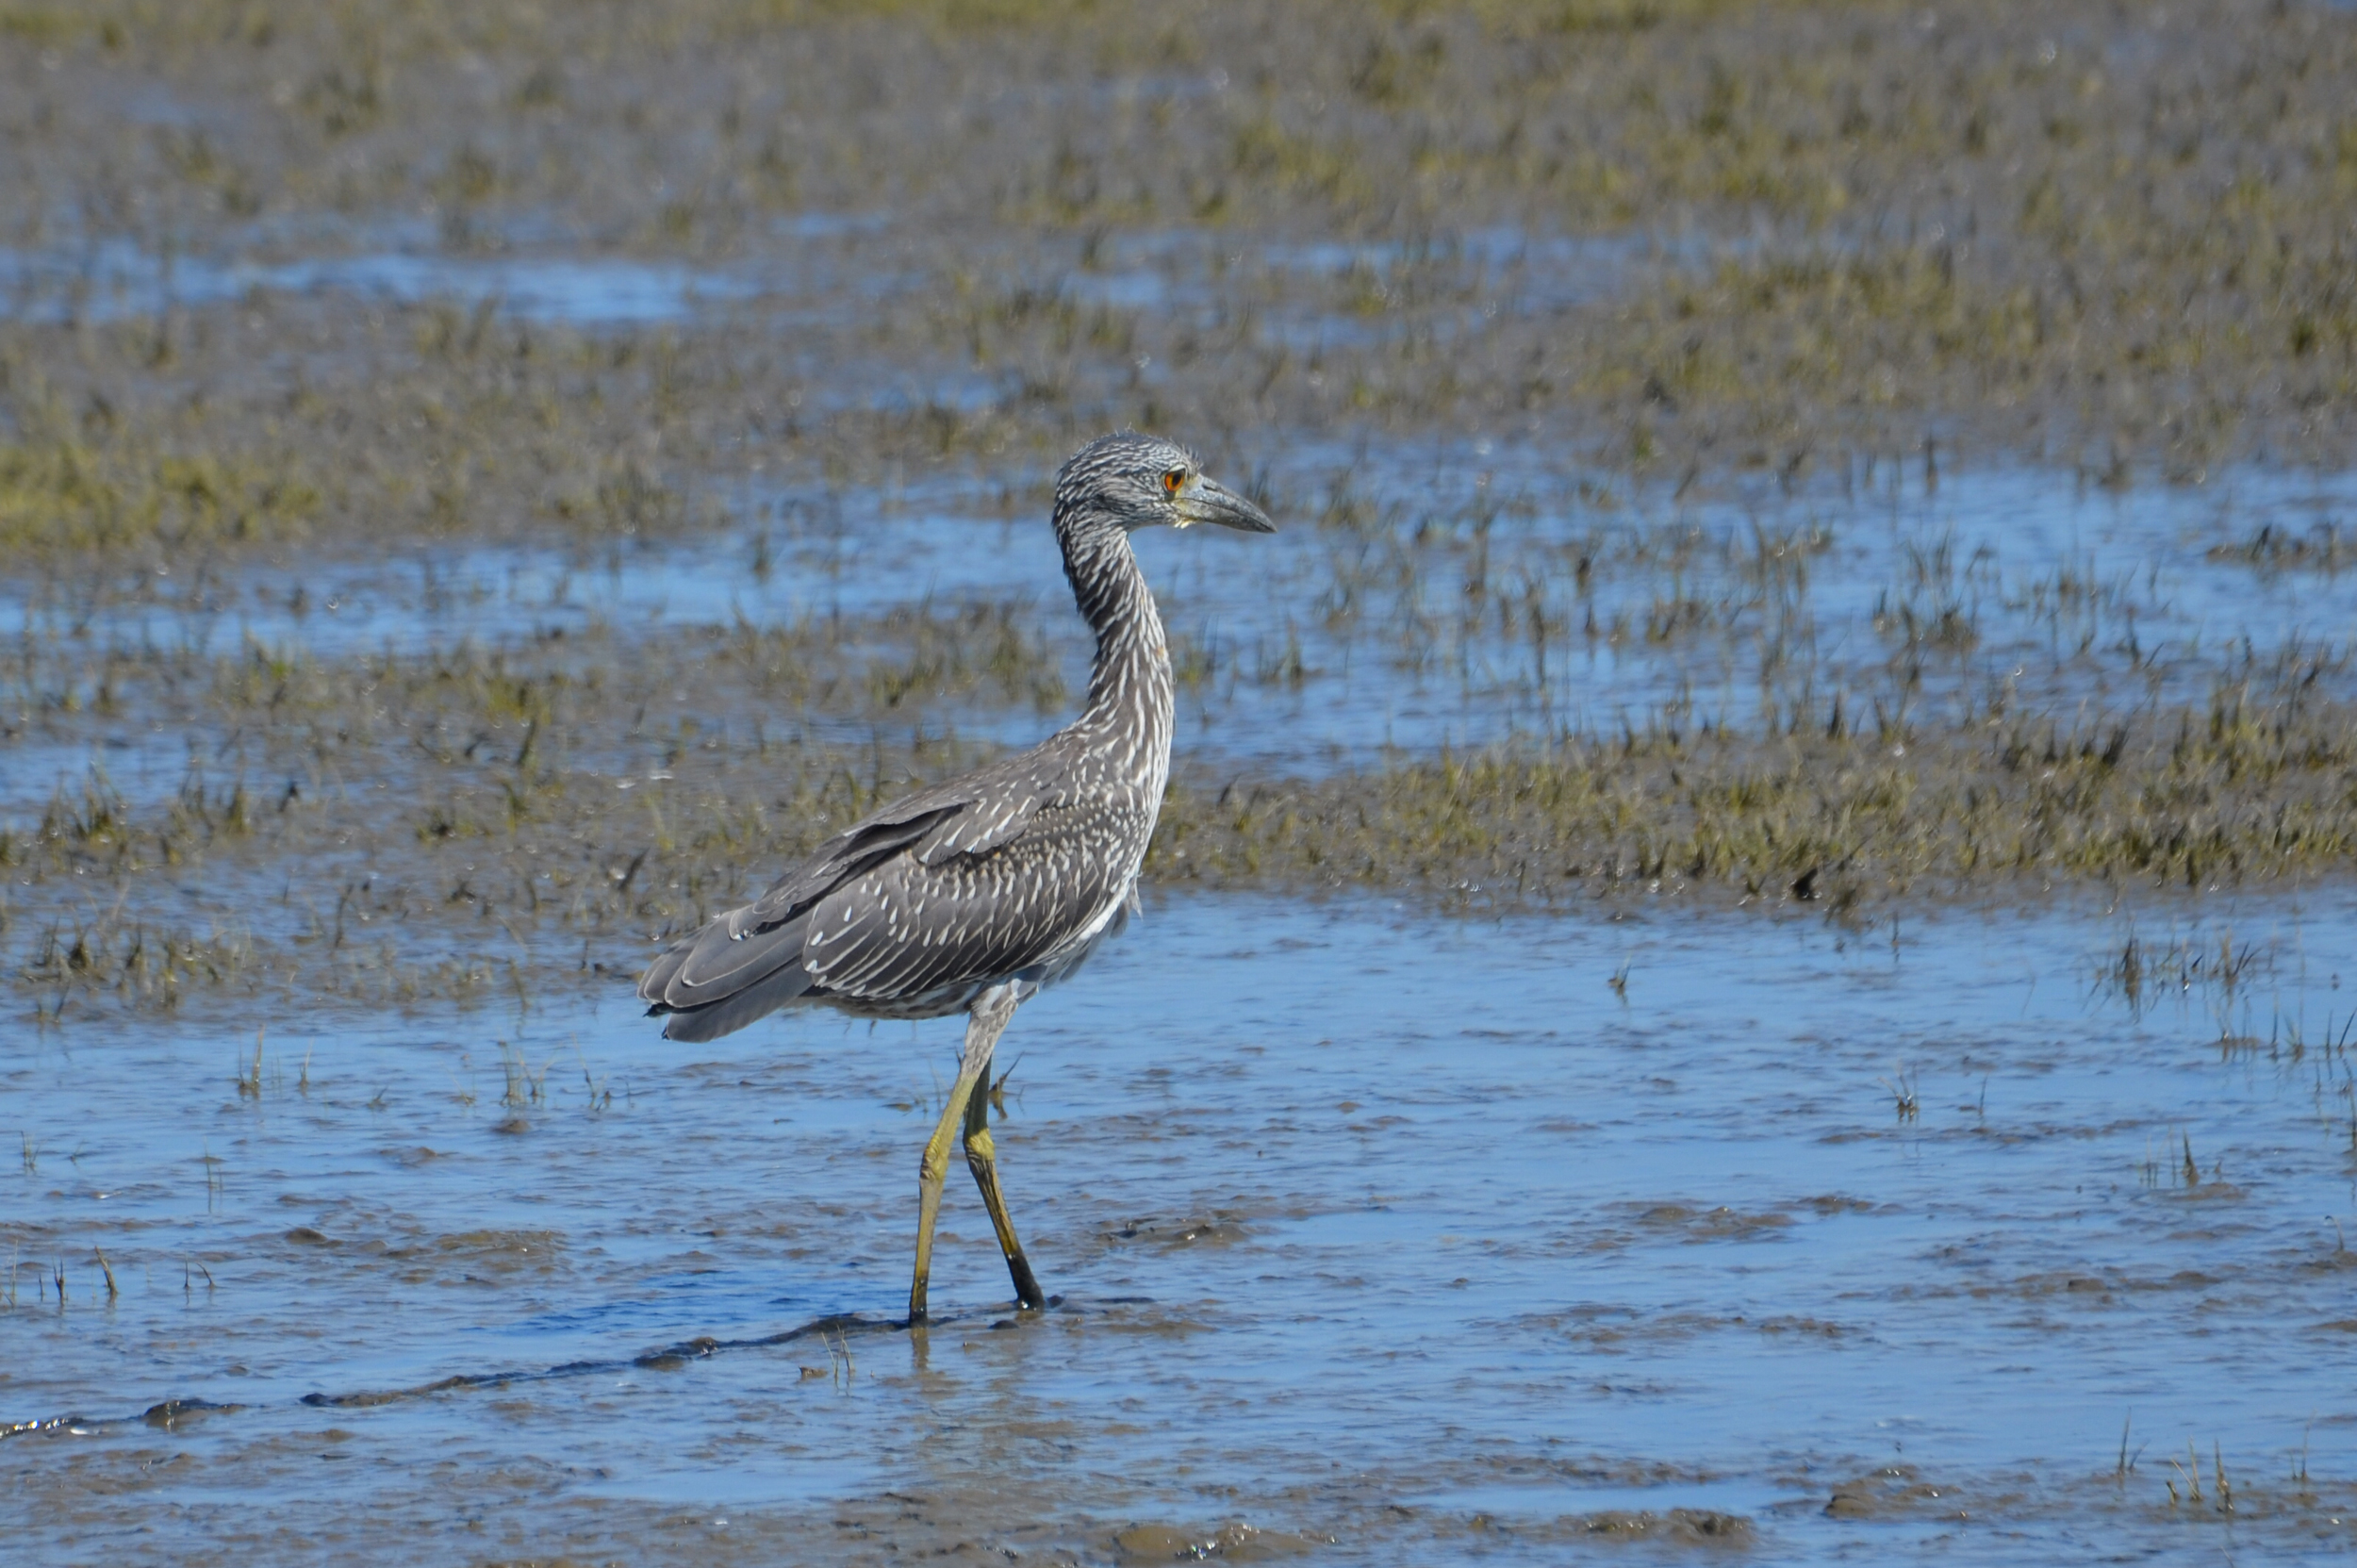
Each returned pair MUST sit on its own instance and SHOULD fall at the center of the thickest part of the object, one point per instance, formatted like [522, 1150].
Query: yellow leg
[987, 1022]
[930, 1172]
[982, 1157]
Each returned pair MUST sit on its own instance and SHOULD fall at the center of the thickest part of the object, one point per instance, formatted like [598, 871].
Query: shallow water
[538, 274]
[1326, 646]
[115, 279]
[1424, 591]
[1387, 1237]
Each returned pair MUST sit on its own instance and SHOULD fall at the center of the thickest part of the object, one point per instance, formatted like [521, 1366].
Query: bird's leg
[982, 1157]
[930, 1172]
[986, 1021]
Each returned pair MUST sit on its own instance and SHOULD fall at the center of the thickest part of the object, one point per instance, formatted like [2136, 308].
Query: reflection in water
[1365, 1228]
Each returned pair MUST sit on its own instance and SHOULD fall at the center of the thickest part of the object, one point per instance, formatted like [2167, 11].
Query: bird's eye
[1175, 478]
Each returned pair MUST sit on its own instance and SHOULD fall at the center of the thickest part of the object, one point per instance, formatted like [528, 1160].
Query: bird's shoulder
[974, 813]
[984, 809]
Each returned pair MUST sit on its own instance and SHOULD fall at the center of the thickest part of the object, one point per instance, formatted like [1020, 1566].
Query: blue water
[115, 279]
[1367, 1225]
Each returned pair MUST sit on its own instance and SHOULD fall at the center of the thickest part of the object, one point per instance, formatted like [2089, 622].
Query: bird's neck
[1129, 684]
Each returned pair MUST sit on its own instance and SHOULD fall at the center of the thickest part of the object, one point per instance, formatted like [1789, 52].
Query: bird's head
[1133, 481]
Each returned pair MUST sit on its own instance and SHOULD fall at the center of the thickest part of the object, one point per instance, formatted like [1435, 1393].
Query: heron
[977, 894]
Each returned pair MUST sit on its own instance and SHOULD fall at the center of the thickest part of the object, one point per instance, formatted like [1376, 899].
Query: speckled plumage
[1012, 874]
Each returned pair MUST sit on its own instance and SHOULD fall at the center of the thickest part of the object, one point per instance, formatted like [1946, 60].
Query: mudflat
[1745, 953]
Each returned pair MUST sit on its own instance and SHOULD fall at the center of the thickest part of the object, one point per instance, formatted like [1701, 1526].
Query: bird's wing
[964, 817]
[990, 817]
[907, 928]
[970, 814]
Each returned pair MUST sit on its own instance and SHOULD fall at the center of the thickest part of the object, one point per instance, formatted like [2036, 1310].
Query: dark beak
[1209, 501]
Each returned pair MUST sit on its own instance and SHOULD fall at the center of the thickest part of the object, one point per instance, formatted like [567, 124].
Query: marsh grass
[469, 820]
[2269, 548]
[527, 1086]
[1906, 1103]
[2193, 798]
[1823, 228]
[140, 967]
[2144, 969]
[249, 1076]
[70, 495]
[2252, 787]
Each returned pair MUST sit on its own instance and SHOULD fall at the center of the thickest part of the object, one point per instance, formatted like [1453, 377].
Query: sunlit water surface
[1376, 1237]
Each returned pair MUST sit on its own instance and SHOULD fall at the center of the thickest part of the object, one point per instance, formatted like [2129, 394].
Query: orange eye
[1175, 478]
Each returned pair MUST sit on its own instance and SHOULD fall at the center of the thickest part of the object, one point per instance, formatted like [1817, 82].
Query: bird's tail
[720, 978]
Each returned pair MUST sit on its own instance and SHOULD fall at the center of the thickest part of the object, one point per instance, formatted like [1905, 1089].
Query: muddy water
[1377, 1238]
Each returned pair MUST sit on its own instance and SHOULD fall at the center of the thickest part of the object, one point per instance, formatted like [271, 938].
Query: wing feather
[907, 927]
[975, 878]
[731, 1013]
[718, 960]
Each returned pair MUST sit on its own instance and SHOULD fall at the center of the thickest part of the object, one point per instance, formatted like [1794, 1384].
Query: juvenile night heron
[975, 894]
